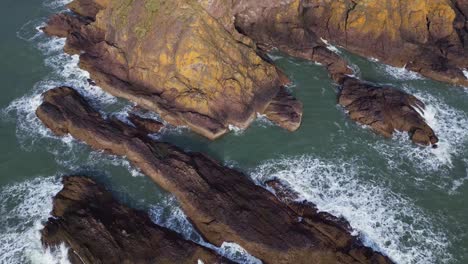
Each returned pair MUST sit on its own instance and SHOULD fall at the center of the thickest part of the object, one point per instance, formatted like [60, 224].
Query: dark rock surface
[98, 229]
[386, 110]
[149, 125]
[223, 204]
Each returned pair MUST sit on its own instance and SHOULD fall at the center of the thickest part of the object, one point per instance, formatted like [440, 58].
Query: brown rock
[428, 37]
[385, 110]
[335, 228]
[98, 229]
[174, 58]
[61, 25]
[223, 204]
[285, 110]
[146, 124]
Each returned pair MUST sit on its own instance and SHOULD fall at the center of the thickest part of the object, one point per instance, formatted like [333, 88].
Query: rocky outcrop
[98, 229]
[286, 110]
[426, 36]
[298, 27]
[149, 125]
[386, 110]
[173, 58]
[222, 204]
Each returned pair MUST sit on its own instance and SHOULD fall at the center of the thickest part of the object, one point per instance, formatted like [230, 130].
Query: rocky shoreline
[204, 65]
[212, 83]
[98, 229]
[222, 204]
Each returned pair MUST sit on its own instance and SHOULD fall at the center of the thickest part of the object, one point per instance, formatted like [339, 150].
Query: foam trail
[384, 220]
[400, 73]
[24, 206]
[168, 214]
[330, 46]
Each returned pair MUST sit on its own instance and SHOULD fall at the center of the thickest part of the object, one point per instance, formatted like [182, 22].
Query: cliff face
[428, 36]
[174, 58]
[202, 63]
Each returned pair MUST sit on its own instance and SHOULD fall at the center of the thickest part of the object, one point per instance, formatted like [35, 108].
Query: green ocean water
[406, 201]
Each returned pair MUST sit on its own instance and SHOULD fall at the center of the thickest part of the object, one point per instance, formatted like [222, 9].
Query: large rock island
[222, 203]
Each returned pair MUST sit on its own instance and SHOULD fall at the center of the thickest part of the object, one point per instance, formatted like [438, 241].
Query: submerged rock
[386, 110]
[173, 58]
[98, 229]
[222, 203]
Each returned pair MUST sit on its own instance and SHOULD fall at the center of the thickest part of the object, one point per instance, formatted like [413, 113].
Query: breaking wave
[25, 206]
[384, 220]
[168, 214]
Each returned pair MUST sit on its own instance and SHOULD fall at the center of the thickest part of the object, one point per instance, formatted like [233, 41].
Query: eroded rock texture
[428, 36]
[171, 57]
[386, 110]
[98, 229]
[223, 204]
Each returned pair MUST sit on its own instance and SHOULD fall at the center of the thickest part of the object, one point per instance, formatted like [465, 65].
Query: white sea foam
[56, 4]
[402, 74]
[24, 207]
[457, 183]
[330, 46]
[168, 214]
[236, 130]
[385, 221]
[465, 72]
[65, 71]
[263, 121]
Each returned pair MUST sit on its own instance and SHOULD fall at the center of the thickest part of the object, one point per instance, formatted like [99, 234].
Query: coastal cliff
[203, 64]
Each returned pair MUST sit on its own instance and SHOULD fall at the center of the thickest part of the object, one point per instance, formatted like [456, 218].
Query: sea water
[406, 201]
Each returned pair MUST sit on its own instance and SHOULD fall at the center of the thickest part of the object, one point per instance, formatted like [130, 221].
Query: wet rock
[337, 229]
[61, 25]
[98, 229]
[149, 125]
[173, 58]
[386, 110]
[222, 203]
[285, 110]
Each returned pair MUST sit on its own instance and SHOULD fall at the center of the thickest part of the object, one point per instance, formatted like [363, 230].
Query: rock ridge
[98, 229]
[222, 203]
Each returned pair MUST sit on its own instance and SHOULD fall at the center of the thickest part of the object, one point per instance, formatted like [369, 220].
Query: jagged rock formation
[173, 58]
[98, 229]
[199, 63]
[426, 36]
[297, 28]
[386, 110]
[223, 204]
